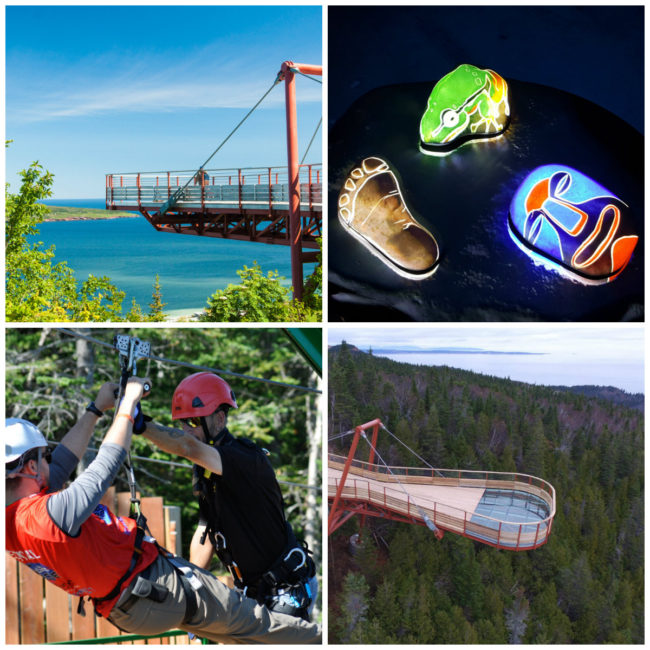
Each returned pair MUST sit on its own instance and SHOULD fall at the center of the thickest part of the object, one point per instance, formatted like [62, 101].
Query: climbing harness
[284, 586]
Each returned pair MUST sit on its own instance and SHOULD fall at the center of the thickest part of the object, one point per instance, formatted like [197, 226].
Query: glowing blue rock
[566, 220]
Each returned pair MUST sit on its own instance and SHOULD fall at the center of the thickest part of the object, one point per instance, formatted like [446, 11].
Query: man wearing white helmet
[71, 540]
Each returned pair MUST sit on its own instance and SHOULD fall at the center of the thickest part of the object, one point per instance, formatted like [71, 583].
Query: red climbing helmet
[201, 394]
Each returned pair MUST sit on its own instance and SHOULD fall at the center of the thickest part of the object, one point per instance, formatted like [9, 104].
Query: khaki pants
[223, 614]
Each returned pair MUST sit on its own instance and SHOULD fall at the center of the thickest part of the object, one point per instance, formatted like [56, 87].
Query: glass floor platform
[514, 507]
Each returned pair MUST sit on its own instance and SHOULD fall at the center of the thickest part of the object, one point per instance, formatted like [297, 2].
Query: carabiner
[302, 554]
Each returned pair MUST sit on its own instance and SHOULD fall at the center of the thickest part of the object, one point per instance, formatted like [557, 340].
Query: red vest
[89, 564]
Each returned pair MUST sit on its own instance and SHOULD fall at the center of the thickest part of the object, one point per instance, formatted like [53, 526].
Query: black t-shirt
[247, 505]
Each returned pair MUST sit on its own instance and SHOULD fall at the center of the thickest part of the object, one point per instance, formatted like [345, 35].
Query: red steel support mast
[287, 73]
[334, 510]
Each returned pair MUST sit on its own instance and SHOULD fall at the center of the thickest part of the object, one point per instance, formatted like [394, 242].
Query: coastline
[186, 315]
[92, 210]
[102, 218]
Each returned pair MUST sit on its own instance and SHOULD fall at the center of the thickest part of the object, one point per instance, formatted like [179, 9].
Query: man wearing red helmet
[241, 509]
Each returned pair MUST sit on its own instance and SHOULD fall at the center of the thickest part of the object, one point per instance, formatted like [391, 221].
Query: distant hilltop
[384, 351]
[69, 213]
[611, 394]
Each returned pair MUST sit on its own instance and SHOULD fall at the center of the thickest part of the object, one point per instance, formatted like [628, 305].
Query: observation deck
[249, 204]
[506, 510]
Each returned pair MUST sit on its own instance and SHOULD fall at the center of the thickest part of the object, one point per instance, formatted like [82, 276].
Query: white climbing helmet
[20, 437]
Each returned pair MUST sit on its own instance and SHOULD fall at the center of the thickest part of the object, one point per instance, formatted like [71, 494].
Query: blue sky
[97, 90]
[570, 354]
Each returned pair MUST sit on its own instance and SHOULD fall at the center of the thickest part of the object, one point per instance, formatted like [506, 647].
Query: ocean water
[130, 252]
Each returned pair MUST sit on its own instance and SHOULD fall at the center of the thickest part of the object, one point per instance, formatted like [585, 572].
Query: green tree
[258, 298]
[156, 306]
[585, 585]
[354, 607]
[313, 292]
[38, 289]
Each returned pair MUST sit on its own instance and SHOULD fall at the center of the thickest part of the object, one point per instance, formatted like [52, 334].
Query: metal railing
[515, 535]
[255, 188]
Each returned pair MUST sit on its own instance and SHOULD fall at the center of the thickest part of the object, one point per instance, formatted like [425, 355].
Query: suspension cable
[175, 196]
[185, 364]
[312, 140]
[340, 435]
[308, 76]
[425, 517]
[413, 452]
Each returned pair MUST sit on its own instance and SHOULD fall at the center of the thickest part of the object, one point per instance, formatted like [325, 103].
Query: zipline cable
[95, 341]
[175, 196]
[171, 463]
[184, 364]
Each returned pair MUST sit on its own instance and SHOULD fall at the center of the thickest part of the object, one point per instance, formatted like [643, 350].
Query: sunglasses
[47, 454]
[192, 422]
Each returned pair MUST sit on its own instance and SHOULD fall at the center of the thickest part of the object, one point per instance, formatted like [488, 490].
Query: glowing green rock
[465, 104]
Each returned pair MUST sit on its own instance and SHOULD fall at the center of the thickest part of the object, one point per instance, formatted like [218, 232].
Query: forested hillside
[404, 586]
[51, 377]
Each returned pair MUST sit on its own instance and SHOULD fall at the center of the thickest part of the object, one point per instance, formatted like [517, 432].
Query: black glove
[140, 420]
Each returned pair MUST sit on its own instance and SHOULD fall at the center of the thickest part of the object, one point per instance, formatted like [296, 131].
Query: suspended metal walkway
[506, 510]
[280, 205]
[250, 204]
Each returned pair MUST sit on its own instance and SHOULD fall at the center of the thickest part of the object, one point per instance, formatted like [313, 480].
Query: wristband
[93, 409]
[126, 415]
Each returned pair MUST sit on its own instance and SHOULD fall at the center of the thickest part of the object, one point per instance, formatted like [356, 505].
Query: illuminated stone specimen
[372, 209]
[566, 220]
[465, 104]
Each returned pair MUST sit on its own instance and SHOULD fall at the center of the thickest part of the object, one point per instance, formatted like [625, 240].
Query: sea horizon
[94, 204]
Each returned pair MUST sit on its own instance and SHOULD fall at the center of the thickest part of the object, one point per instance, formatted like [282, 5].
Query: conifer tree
[156, 306]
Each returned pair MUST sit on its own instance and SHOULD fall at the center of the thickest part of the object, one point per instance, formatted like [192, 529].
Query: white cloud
[37, 92]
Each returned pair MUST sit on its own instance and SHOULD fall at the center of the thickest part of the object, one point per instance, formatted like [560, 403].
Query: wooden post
[12, 632]
[31, 607]
[57, 613]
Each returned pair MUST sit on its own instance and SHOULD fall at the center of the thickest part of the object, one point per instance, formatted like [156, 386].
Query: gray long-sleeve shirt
[69, 508]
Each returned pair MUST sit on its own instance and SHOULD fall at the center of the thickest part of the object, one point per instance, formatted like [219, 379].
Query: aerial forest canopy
[52, 376]
[405, 586]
